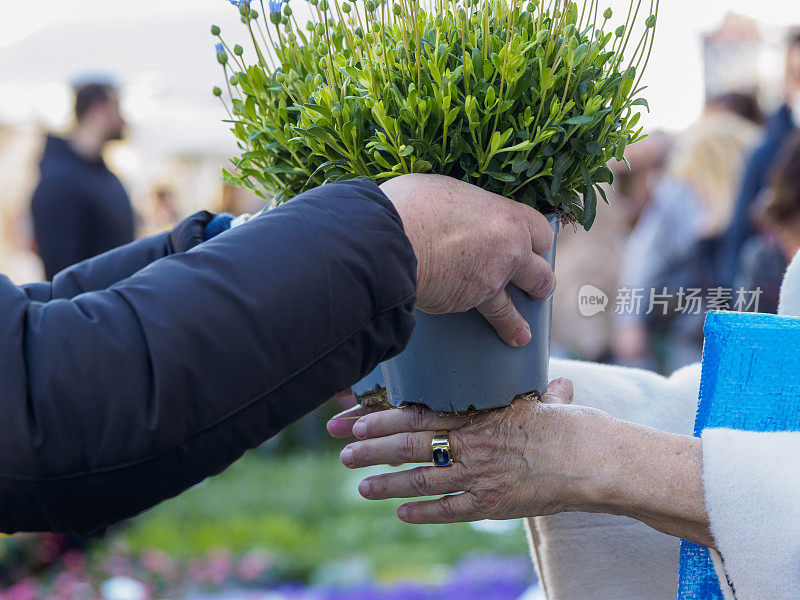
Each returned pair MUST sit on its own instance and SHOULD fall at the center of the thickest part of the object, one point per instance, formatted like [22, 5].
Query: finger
[420, 481]
[542, 236]
[560, 391]
[412, 418]
[456, 508]
[535, 276]
[399, 448]
[501, 313]
[341, 426]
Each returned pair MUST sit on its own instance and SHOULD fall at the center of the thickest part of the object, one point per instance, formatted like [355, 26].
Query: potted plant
[529, 100]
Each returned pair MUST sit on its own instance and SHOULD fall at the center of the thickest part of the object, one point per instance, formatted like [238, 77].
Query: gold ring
[440, 450]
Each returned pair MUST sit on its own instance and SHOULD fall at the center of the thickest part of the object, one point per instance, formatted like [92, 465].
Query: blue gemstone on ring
[441, 457]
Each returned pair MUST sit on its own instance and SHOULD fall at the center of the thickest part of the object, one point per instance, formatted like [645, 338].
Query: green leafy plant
[528, 100]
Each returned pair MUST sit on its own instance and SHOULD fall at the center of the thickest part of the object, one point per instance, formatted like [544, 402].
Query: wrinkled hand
[513, 462]
[470, 244]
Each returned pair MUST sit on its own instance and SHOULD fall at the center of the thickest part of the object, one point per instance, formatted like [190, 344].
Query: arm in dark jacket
[109, 268]
[118, 399]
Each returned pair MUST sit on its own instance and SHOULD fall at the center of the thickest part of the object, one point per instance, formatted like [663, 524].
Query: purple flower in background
[275, 7]
[239, 2]
[219, 47]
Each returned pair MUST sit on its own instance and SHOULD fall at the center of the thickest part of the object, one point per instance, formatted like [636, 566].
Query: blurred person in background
[782, 210]
[593, 257]
[80, 209]
[777, 219]
[782, 124]
[162, 212]
[676, 242]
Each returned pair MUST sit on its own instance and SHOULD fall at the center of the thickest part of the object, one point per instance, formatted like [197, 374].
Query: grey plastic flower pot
[456, 362]
[371, 383]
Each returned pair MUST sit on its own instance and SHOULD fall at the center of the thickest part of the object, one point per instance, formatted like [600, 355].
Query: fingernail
[402, 512]
[523, 337]
[360, 429]
[364, 488]
[347, 456]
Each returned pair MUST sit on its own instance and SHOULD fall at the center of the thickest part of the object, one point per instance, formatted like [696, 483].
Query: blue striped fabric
[750, 381]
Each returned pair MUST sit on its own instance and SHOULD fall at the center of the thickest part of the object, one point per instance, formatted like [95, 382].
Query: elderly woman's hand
[507, 463]
[531, 459]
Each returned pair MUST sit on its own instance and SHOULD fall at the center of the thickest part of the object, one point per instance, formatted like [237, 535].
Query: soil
[377, 400]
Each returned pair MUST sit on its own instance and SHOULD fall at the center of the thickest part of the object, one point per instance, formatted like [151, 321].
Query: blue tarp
[750, 381]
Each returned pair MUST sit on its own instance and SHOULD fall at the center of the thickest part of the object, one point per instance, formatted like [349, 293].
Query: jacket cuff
[190, 232]
[752, 486]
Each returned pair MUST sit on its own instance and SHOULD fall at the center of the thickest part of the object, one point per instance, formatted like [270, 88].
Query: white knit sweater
[752, 488]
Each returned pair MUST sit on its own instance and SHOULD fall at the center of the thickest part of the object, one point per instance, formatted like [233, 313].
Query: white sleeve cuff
[752, 490]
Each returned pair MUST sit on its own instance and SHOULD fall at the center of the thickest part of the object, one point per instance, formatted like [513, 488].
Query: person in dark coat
[136, 374]
[80, 209]
[754, 180]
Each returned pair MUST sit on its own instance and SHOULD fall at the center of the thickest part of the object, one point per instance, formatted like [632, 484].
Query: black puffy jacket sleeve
[119, 398]
[113, 266]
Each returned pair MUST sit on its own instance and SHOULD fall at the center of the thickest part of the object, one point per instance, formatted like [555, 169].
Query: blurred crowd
[702, 220]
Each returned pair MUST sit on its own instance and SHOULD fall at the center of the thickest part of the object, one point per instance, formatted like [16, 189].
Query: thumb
[560, 391]
[506, 320]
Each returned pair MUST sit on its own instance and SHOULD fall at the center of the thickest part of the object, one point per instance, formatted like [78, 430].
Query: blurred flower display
[251, 576]
[270, 529]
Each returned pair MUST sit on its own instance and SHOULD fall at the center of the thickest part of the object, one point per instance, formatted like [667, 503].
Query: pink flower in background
[220, 566]
[196, 572]
[74, 561]
[158, 562]
[253, 565]
[27, 589]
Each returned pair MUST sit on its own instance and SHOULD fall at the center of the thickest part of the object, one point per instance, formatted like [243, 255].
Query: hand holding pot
[530, 459]
[470, 244]
[507, 462]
